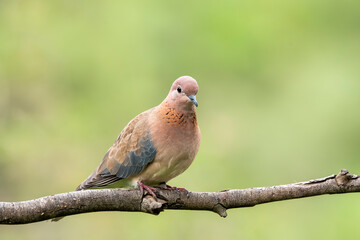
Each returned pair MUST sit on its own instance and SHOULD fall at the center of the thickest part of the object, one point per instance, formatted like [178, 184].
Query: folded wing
[130, 154]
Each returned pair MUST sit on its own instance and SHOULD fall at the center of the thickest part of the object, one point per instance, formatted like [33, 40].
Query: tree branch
[65, 204]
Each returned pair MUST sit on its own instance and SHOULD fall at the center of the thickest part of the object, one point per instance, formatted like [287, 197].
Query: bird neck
[171, 114]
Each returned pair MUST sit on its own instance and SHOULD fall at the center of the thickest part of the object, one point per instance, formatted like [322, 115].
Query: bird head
[183, 93]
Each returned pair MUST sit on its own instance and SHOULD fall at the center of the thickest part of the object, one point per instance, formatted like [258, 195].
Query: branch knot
[343, 178]
[150, 205]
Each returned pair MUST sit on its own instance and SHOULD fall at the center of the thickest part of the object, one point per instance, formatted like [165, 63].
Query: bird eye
[179, 89]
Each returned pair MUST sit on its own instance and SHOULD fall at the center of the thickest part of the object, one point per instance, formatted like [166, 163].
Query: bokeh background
[279, 102]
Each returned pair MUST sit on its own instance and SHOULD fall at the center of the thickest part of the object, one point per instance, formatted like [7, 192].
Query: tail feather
[94, 181]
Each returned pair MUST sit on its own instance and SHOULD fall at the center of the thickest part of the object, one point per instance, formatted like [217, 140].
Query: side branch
[131, 200]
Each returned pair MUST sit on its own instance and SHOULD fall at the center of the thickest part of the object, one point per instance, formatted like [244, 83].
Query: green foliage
[278, 103]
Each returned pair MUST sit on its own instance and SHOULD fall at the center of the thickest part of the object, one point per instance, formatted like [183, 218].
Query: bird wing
[129, 155]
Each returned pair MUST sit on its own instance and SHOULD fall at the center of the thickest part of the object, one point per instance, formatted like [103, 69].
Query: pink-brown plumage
[156, 146]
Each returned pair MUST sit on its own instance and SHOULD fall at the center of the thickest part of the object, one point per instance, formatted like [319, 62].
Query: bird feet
[176, 188]
[168, 187]
[152, 190]
[149, 189]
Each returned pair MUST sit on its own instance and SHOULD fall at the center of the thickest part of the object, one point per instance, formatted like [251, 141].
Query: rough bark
[131, 200]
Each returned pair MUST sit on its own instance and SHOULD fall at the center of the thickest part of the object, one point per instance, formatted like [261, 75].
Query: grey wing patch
[135, 161]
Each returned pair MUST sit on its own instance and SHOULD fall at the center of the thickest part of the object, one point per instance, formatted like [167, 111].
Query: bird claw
[178, 189]
[149, 189]
[152, 190]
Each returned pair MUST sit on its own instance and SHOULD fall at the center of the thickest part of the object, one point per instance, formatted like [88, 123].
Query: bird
[155, 146]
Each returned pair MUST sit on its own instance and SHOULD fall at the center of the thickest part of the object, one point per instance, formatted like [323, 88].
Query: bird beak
[193, 100]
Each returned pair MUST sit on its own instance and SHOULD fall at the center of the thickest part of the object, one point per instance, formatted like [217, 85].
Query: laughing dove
[156, 146]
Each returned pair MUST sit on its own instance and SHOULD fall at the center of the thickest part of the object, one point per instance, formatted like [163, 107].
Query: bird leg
[149, 189]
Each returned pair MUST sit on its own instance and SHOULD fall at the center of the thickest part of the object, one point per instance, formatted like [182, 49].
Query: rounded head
[183, 93]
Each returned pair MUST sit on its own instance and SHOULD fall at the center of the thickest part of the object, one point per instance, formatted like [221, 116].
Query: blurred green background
[279, 102]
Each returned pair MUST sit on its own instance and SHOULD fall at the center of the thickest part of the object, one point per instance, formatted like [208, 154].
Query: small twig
[131, 200]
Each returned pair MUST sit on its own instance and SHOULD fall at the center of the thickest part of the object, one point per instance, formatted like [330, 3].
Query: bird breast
[176, 139]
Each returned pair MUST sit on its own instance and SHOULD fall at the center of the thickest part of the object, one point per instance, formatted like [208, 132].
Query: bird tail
[90, 183]
[56, 219]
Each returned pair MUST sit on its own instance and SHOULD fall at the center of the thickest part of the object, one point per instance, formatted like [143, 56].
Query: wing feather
[130, 154]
